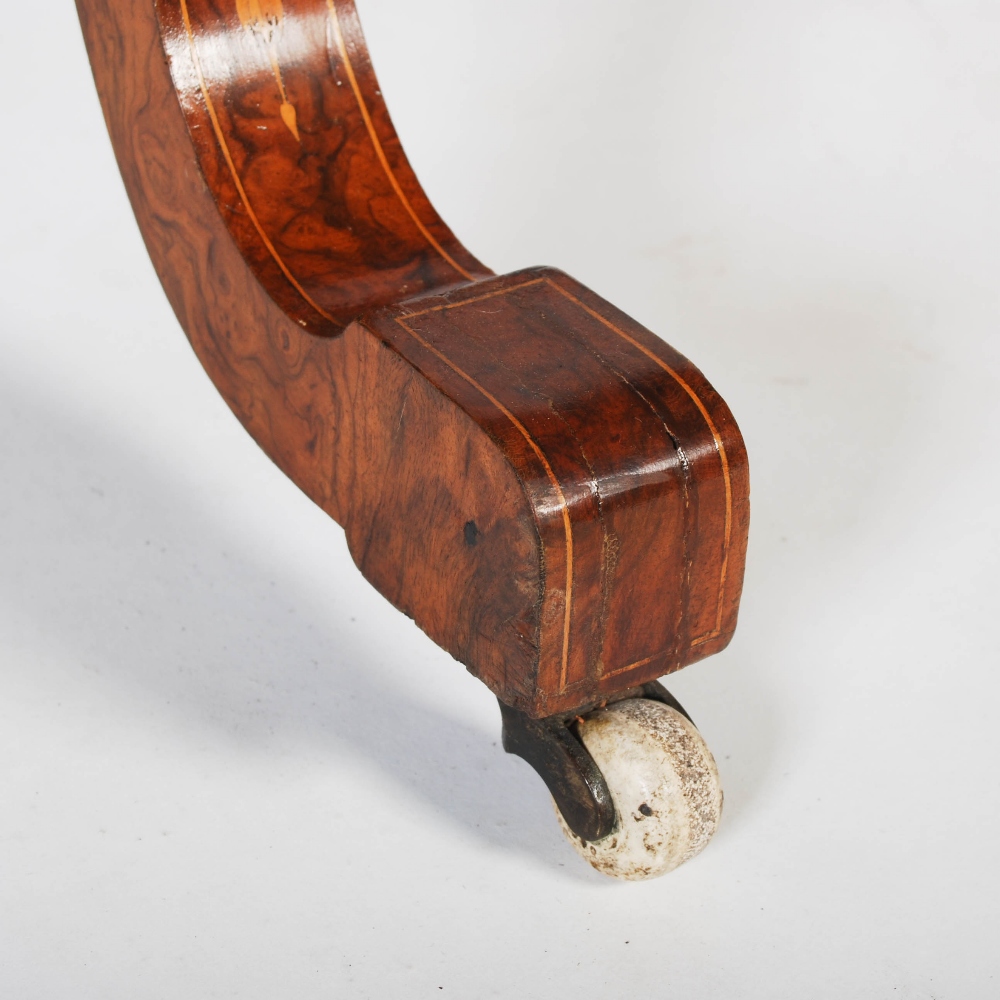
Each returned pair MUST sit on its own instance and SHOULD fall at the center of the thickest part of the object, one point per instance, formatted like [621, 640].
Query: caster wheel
[664, 783]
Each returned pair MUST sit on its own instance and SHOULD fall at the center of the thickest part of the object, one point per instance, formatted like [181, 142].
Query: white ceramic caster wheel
[664, 784]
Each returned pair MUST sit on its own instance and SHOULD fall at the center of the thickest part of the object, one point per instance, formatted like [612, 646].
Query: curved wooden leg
[557, 497]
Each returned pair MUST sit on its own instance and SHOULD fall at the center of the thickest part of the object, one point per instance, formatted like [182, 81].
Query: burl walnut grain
[556, 497]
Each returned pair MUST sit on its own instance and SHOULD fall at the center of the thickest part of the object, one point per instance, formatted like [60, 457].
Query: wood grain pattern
[329, 214]
[633, 469]
[556, 496]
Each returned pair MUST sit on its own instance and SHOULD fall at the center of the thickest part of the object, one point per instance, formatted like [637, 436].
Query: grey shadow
[93, 535]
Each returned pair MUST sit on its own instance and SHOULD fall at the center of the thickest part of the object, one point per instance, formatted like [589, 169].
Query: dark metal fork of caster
[554, 749]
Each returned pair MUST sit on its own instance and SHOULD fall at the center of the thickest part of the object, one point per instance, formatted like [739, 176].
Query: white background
[229, 769]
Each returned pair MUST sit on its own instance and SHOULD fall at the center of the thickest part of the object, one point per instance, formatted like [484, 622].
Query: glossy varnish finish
[295, 141]
[627, 474]
[557, 497]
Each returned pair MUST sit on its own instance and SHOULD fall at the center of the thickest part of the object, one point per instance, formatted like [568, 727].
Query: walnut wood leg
[553, 494]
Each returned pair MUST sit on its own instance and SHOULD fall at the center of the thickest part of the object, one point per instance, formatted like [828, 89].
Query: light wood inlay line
[262, 22]
[477, 298]
[563, 505]
[377, 144]
[719, 445]
[220, 136]
[702, 409]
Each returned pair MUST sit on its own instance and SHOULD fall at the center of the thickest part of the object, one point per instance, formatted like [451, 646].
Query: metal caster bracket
[571, 775]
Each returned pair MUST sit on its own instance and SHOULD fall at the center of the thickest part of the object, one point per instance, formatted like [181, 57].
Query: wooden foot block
[557, 497]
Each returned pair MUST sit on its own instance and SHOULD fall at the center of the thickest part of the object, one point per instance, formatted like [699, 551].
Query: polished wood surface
[556, 497]
[632, 469]
[295, 142]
